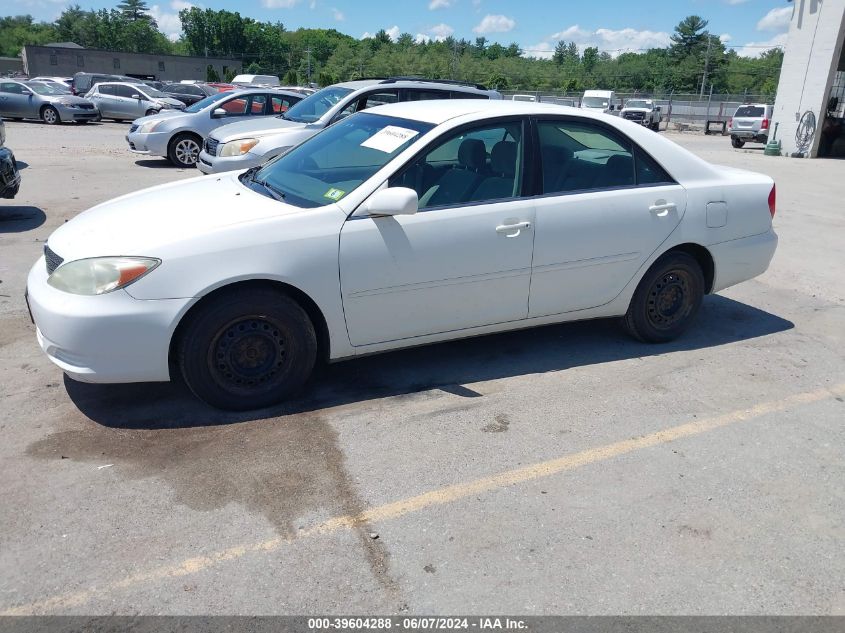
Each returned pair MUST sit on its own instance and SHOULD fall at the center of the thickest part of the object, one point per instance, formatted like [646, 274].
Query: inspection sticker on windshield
[334, 194]
[389, 138]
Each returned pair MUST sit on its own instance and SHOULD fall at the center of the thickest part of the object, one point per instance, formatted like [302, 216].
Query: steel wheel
[670, 299]
[248, 352]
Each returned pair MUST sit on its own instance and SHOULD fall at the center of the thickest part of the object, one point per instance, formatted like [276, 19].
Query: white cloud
[494, 24]
[279, 4]
[735, 1]
[440, 32]
[725, 38]
[776, 20]
[542, 50]
[168, 21]
[393, 33]
[611, 41]
[439, 4]
[755, 49]
[337, 14]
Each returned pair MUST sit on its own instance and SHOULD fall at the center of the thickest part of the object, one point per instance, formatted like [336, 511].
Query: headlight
[148, 127]
[69, 104]
[99, 275]
[238, 148]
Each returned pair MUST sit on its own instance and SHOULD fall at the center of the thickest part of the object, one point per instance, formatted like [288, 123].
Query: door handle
[661, 208]
[507, 228]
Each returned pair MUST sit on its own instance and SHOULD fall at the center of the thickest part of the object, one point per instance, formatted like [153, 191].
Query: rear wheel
[667, 299]
[183, 150]
[737, 142]
[50, 115]
[249, 349]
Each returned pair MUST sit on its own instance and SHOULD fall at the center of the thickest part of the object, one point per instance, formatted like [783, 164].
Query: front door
[606, 206]
[463, 260]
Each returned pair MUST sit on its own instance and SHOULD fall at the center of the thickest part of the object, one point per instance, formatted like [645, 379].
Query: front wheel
[248, 349]
[50, 115]
[184, 150]
[737, 142]
[150, 112]
[666, 300]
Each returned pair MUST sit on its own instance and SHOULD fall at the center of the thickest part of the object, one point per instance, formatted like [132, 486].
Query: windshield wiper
[275, 193]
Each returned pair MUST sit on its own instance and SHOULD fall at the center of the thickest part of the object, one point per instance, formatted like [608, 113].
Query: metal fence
[688, 109]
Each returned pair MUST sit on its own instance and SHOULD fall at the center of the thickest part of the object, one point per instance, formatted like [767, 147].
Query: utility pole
[308, 67]
[706, 65]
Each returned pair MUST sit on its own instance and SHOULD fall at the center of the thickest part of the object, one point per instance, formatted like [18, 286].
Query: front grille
[211, 146]
[53, 260]
[635, 116]
[133, 128]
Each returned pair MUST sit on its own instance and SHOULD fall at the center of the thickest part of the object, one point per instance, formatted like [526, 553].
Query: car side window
[258, 104]
[235, 107]
[378, 98]
[125, 91]
[467, 95]
[578, 156]
[279, 104]
[105, 89]
[10, 88]
[474, 165]
[648, 171]
[427, 95]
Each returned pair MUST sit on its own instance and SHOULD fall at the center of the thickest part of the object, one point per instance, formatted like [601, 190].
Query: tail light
[765, 125]
[772, 200]
[730, 123]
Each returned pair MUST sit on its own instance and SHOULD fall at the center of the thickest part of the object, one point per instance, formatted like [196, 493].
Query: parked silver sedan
[121, 101]
[39, 100]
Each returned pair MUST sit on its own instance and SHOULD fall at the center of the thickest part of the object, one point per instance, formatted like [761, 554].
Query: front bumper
[208, 164]
[154, 143]
[10, 177]
[76, 114]
[109, 338]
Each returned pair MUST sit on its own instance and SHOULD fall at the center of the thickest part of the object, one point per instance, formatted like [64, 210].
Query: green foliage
[211, 74]
[270, 48]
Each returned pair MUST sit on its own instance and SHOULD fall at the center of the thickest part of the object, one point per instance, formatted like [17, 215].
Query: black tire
[737, 142]
[667, 299]
[150, 112]
[50, 115]
[655, 127]
[184, 150]
[247, 349]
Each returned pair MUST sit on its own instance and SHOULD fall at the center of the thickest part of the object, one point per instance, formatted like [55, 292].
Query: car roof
[359, 84]
[438, 111]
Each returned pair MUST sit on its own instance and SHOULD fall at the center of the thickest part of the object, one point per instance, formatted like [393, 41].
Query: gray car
[247, 144]
[121, 101]
[179, 135]
[39, 100]
[750, 123]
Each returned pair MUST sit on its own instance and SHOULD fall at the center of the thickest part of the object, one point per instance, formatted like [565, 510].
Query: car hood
[68, 99]
[171, 101]
[260, 126]
[148, 221]
[163, 114]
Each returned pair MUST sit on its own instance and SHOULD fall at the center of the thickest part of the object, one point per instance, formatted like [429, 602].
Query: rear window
[749, 111]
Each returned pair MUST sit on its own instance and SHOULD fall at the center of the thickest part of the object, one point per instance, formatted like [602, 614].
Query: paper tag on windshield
[334, 194]
[389, 138]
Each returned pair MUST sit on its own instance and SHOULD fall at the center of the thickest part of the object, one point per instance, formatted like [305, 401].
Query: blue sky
[612, 25]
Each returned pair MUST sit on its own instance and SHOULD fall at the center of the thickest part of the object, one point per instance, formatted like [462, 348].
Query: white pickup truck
[644, 112]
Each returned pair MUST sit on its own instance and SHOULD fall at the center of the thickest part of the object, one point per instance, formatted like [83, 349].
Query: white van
[599, 101]
[256, 80]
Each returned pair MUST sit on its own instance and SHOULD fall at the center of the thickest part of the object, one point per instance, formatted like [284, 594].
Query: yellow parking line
[437, 497]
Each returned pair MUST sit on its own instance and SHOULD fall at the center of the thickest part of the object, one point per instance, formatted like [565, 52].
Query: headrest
[472, 154]
[556, 154]
[503, 158]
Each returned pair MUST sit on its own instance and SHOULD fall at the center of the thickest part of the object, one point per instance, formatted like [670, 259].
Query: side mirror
[612, 107]
[659, 108]
[135, 96]
[26, 92]
[392, 201]
[218, 113]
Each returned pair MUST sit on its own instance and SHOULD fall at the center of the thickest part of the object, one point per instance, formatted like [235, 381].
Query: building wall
[811, 58]
[10, 65]
[65, 62]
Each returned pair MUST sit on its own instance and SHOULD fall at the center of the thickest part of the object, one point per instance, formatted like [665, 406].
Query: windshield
[155, 94]
[46, 89]
[594, 102]
[312, 108]
[204, 103]
[338, 160]
[638, 103]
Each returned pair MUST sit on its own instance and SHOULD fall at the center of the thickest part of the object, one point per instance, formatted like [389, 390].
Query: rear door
[12, 101]
[605, 207]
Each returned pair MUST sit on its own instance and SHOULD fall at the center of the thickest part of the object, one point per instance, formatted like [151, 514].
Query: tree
[591, 58]
[560, 53]
[690, 36]
[135, 10]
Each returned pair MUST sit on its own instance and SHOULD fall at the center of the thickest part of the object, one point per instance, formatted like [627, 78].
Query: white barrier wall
[813, 51]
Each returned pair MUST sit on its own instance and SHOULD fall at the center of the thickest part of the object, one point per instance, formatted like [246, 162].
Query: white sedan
[403, 225]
